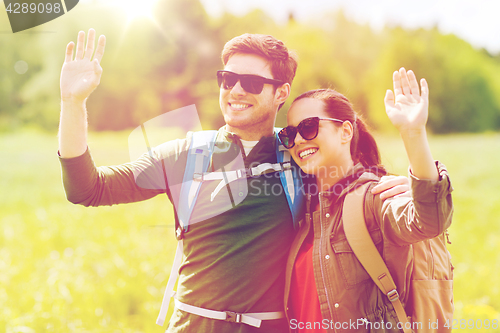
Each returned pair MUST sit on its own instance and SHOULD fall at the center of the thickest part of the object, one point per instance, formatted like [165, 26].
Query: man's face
[245, 113]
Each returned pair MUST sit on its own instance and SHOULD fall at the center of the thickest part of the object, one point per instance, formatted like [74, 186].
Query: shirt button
[241, 194]
[327, 256]
[337, 305]
[327, 215]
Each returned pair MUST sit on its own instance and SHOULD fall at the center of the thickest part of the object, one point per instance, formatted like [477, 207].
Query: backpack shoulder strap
[291, 181]
[198, 159]
[169, 290]
[363, 247]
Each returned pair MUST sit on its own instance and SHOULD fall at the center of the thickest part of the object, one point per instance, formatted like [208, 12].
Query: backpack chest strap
[227, 177]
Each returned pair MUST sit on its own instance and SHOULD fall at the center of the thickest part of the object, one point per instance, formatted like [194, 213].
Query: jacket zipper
[432, 259]
[321, 254]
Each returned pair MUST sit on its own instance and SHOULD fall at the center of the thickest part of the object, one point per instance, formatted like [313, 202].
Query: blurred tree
[19, 65]
[461, 94]
[152, 67]
[334, 53]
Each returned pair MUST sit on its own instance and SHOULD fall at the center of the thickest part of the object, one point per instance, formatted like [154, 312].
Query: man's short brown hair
[282, 61]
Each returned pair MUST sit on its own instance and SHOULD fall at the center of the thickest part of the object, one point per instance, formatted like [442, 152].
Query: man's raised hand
[79, 77]
[392, 186]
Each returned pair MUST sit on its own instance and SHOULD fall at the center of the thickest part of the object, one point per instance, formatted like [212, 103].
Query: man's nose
[238, 90]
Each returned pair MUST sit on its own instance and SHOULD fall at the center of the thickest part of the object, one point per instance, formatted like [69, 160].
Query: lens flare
[135, 9]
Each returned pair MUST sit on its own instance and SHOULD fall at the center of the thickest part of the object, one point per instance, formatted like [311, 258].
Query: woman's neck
[325, 180]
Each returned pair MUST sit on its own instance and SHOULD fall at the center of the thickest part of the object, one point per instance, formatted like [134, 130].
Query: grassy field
[66, 268]
[473, 163]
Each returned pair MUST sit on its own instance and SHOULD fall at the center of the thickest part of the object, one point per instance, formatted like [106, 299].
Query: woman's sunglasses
[252, 84]
[308, 129]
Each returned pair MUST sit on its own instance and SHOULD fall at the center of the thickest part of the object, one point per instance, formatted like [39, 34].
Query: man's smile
[239, 106]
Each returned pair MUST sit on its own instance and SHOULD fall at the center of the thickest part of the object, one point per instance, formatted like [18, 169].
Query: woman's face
[324, 155]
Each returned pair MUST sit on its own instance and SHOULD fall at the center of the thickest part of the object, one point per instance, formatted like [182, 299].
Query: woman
[325, 281]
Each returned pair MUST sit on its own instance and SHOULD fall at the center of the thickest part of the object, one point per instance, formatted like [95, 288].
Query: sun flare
[137, 8]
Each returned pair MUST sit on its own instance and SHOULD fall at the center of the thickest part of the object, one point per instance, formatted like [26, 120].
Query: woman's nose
[299, 139]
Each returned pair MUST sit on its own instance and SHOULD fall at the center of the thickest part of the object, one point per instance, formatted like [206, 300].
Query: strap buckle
[179, 233]
[198, 177]
[242, 173]
[285, 166]
[233, 317]
[393, 295]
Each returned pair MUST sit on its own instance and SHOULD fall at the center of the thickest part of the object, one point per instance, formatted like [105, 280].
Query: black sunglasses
[252, 84]
[308, 129]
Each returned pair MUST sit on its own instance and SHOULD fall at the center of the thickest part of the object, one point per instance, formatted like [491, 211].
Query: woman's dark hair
[364, 148]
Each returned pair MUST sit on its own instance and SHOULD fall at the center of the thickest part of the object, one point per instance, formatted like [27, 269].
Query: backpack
[430, 301]
[198, 160]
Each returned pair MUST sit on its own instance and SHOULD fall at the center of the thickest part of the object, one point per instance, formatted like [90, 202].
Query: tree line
[151, 68]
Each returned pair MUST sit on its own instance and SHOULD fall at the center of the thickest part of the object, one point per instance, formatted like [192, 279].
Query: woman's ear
[347, 131]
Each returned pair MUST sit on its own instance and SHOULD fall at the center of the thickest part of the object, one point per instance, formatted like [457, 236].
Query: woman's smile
[306, 153]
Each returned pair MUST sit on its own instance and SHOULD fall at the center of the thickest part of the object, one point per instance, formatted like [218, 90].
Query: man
[235, 260]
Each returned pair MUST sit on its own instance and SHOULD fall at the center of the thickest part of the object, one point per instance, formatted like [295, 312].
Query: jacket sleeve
[426, 213]
[142, 179]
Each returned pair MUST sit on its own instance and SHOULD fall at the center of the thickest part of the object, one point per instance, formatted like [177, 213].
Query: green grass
[67, 268]
[473, 162]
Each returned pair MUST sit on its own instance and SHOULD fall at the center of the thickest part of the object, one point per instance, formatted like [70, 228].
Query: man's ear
[282, 93]
[347, 131]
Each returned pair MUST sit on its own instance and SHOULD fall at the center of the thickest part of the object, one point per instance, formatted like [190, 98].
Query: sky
[475, 21]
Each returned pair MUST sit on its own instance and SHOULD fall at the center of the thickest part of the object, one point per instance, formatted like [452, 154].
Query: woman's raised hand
[407, 107]
[79, 77]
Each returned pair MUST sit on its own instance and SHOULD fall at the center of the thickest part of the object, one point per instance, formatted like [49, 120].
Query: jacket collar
[356, 176]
